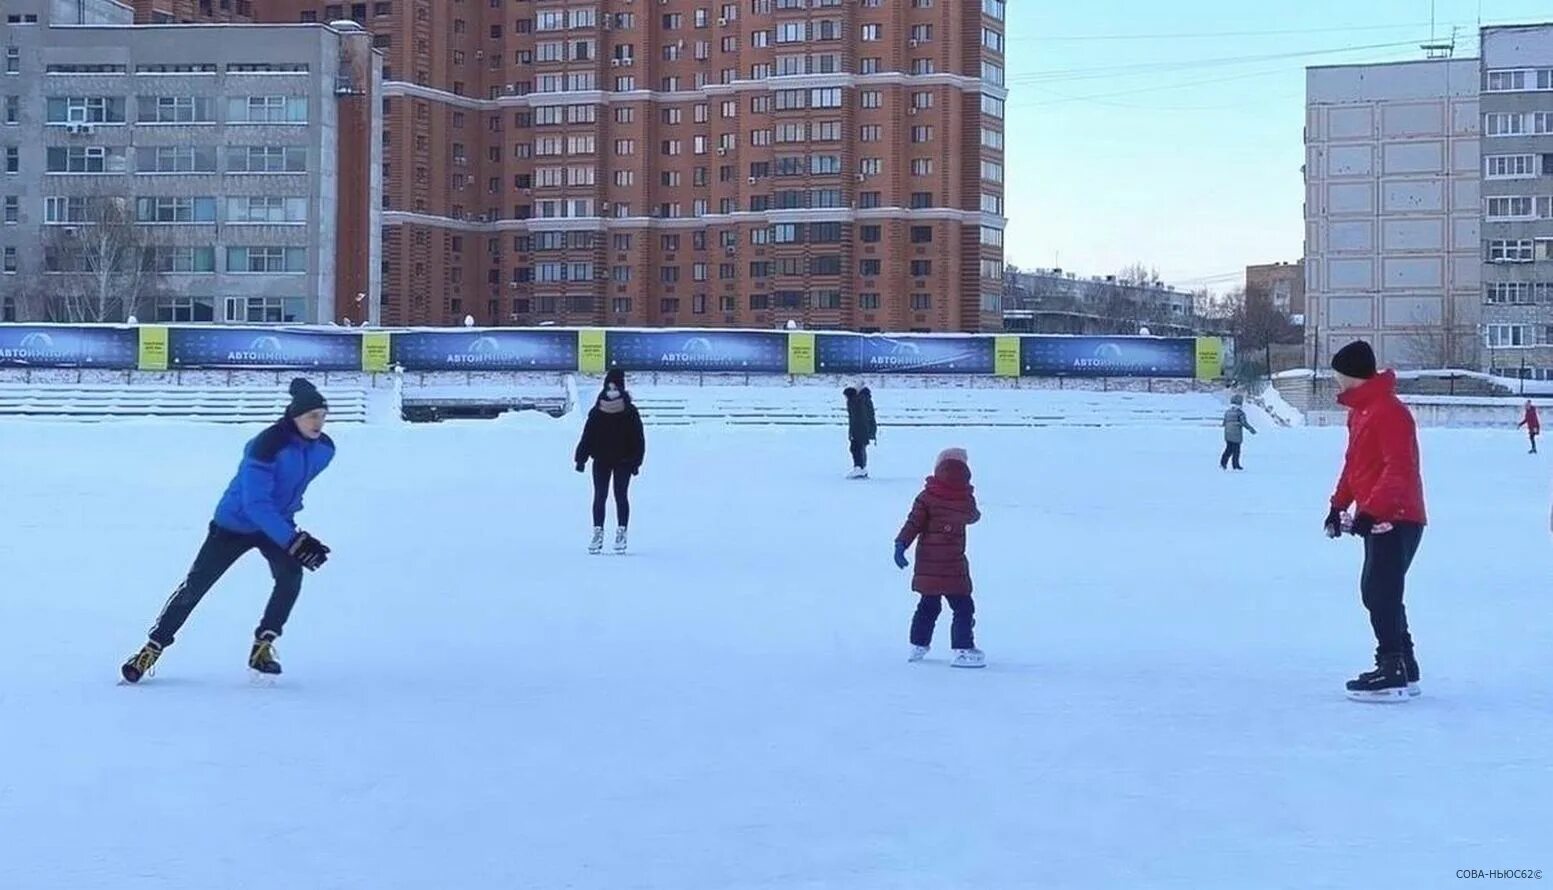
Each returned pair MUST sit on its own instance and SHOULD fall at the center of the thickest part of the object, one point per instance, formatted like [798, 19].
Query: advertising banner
[881, 354]
[1210, 358]
[153, 348]
[486, 350]
[49, 346]
[376, 351]
[755, 352]
[1007, 356]
[1108, 357]
[246, 347]
[800, 353]
[590, 351]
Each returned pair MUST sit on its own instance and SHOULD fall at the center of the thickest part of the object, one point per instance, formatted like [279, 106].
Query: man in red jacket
[1532, 423]
[1381, 478]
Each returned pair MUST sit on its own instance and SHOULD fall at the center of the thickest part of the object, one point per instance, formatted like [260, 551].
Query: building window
[175, 210]
[185, 309]
[921, 234]
[1511, 251]
[266, 110]
[267, 209]
[85, 110]
[266, 159]
[921, 268]
[266, 260]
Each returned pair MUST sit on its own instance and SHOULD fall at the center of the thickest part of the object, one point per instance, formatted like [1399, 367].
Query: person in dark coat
[1382, 479]
[1235, 427]
[257, 512]
[613, 439]
[862, 428]
[937, 525]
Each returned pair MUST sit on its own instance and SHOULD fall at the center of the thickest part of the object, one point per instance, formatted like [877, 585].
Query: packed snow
[471, 701]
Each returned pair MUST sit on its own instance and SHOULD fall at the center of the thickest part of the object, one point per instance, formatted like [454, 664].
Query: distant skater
[1235, 427]
[257, 512]
[613, 439]
[862, 428]
[1532, 423]
[937, 525]
[1382, 479]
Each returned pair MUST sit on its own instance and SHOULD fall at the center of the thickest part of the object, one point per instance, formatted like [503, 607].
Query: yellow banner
[1007, 360]
[376, 347]
[1210, 358]
[153, 348]
[590, 352]
[800, 353]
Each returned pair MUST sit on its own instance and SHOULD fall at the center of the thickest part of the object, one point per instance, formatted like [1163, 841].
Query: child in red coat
[937, 523]
[1533, 425]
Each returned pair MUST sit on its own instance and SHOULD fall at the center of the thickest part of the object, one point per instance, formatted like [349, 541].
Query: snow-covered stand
[211, 403]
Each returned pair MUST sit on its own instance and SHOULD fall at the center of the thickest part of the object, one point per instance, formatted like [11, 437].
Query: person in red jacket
[1532, 423]
[937, 523]
[1382, 480]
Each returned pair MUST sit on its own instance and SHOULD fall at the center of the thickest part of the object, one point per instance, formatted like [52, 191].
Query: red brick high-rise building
[688, 162]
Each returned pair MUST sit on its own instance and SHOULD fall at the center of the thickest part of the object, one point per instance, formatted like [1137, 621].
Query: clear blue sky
[1183, 152]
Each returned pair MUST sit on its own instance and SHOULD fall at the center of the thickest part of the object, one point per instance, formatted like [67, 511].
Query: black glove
[582, 465]
[1363, 525]
[1334, 523]
[308, 550]
[635, 471]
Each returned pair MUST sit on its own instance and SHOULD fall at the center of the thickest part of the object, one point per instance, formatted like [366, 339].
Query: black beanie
[1356, 360]
[616, 376]
[305, 397]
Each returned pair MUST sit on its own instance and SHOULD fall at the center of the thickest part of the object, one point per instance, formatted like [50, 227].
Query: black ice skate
[1387, 683]
[141, 663]
[262, 658]
[1411, 664]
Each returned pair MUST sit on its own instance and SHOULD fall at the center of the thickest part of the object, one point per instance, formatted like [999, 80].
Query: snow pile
[1273, 403]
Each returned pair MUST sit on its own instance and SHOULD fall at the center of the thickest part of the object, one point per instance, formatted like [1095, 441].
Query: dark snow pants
[602, 473]
[961, 631]
[860, 453]
[1231, 453]
[1387, 558]
[222, 549]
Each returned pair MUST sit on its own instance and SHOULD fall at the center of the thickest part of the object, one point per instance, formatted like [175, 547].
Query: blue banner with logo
[755, 352]
[49, 346]
[1108, 356]
[486, 350]
[882, 354]
[295, 348]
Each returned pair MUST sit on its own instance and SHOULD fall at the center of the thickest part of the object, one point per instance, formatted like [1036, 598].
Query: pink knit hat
[949, 454]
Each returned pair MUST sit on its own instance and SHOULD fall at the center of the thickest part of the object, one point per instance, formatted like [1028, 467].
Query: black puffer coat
[862, 426]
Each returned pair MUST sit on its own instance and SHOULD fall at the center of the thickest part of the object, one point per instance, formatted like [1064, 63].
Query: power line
[1194, 35]
[1141, 68]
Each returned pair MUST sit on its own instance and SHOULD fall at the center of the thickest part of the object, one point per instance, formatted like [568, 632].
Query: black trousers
[1387, 558]
[961, 630]
[602, 473]
[860, 453]
[220, 551]
[1231, 453]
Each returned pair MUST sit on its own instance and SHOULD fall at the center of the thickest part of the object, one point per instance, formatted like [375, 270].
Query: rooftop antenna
[1437, 49]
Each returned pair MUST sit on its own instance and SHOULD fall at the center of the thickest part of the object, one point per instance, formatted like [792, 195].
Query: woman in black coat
[613, 439]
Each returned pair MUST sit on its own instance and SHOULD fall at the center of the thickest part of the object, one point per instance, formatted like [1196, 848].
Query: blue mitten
[900, 556]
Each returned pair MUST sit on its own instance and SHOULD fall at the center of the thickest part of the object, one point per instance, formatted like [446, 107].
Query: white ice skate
[620, 540]
[597, 544]
[969, 658]
[917, 653]
[857, 473]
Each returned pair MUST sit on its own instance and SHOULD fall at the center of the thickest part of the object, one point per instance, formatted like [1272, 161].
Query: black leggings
[601, 476]
[220, 551]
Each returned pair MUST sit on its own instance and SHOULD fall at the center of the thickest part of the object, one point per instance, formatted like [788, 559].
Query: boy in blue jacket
[257, 512]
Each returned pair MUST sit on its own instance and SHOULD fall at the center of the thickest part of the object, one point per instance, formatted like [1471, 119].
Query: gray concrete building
[1052, 301]
[1393, 245]
[1517, 106]
[238, 163]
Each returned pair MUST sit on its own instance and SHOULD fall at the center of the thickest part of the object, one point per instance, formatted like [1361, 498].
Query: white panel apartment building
[1393, 246]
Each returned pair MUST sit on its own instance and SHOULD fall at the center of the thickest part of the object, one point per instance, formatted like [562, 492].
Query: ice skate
[597, 544]
[917, 653]
[1386, 684]
[142, 663]
[969, 658]
[620, 540]
[857, 473]
[261, 659]
[1411, 663]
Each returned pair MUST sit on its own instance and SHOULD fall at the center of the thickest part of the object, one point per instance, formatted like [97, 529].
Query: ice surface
[471, 701]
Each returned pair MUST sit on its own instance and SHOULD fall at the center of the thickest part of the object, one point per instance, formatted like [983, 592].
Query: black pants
[1533, 437]
[1231, 453]
[961, 630]
[1386, 561]
[860, 453]
[220, 551]
[601, 476]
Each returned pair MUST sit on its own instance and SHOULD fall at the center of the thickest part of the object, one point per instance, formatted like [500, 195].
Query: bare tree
[1432, 346]
[99, 268]
[1140, 275]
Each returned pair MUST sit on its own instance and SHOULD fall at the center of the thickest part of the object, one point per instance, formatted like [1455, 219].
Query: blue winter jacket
[266, 494]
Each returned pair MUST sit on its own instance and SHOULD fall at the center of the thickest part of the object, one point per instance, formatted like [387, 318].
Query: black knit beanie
[305, 397]
[617, 376]
[1356, 360]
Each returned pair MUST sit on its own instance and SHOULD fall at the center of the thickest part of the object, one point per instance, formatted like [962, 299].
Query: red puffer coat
[937, 524]
[1381, 470]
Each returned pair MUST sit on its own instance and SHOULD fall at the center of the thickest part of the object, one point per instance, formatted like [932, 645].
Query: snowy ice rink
[473, 702]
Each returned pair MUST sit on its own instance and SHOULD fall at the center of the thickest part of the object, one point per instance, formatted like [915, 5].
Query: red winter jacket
[1380, 471]
[1531, 421]
[937, 524]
